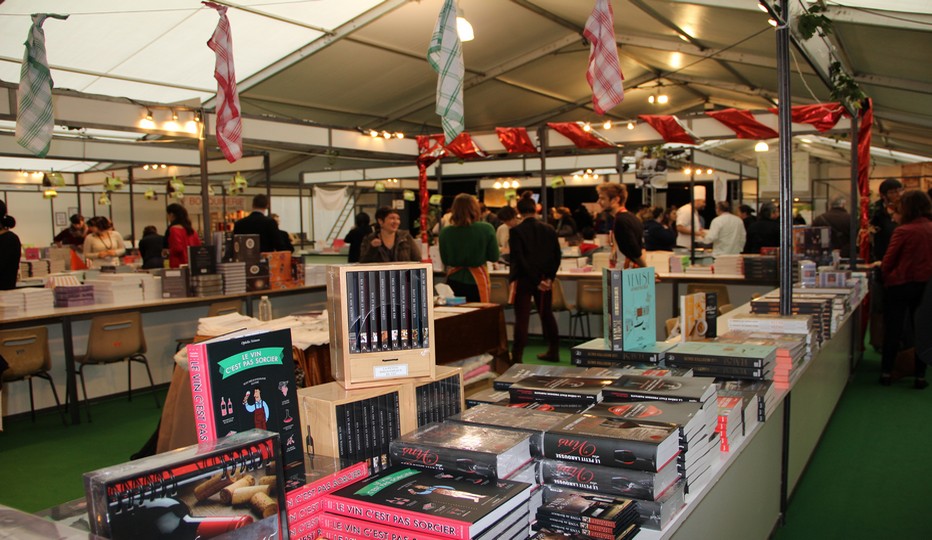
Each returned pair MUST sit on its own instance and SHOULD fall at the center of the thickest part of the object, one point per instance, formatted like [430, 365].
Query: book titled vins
[441, 504]
[246, 381]
[463, 449]
[231, 488]
[613, 442]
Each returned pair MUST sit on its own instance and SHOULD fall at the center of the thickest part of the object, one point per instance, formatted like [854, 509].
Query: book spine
[532, 394]
[420, 395]
[415, 290]
[399, 518]
[347, 528]
[711, 314]
[694, 360]
[404, 308]
[352, 312]
[384, 307]
[621, 481]
[609, 394]
[339, 412]
[607, 309]
[351, 441]
[589, 355]
[603, 451]
[617, 329]
[643, 357]
[590, 530]
[358, 437]
[393, 290]
[727, 371]
[394, 418]
[364, 307]
[425, 298]
[198, 370]
[373, 284]
[383, 437]
[365, 428]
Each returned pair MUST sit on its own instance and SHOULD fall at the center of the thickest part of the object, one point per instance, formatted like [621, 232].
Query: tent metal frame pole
[786, 160]
[301, 208]
[542, 140]
[692, 207]
[132, 207]
[205, 200]
[267, 169]
[855, 211]
[77, 187]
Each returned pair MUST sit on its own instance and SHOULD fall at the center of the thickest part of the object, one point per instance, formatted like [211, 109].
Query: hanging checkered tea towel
[604, 73]
[34, 120]
[445, 55]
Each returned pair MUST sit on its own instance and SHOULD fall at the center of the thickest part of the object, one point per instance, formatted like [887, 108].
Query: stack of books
[699, 390]
[457, 448]
[304, 504]
[729, 264]
[760, 399]
[700, 269]
[107, 291]
[175, 282]
[74, 295]
[762, 267]
[595, 353]
[36, 268]
[56, 280]
[404, 502]
[819, 308]
[9, 310]
[533, 422]
[723, 358]
[202, 260]
[730, 421]
[571, 391]
[793, 350]
[207, 285]
[234, 277]
[587, 515]
[36, 299]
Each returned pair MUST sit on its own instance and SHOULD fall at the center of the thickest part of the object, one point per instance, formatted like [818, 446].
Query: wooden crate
[330, 412]
[354, 363]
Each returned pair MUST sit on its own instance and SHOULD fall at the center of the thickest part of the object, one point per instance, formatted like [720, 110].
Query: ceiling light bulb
[762, 7]
[145, 167]
[761, 146]
[772, 22]
[497, 185]
[514, 184]
[386, 135]
[164, 166]
[576, 178]
[630, 125]
[595, 176]
[463, 28]
[607, 124]
[698, 172]
[373, 133]
[148, 115]
[708, 171]
[586, 127]
[399, 135]
[174, 115]
[650, 99]
[687, 171]
[662, 99]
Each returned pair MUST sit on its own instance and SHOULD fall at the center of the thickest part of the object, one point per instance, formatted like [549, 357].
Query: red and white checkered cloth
[604, 73]
[229, 125]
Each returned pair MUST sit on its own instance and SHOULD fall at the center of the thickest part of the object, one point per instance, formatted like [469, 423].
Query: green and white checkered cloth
[445, 55]
[34, 120]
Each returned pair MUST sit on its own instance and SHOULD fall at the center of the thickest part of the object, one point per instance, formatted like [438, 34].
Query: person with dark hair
[657, 236]
[838, 220]
[11, 250]
[150, 248]
[564, 224]
[627, 233]
[354, 238]
[259, 223]
[726, 233]
[388, 243]
[746, 213]
[488, 216]
[102, 242]
[765, 232]
[907, 268]
[284, 239]
[179, 236]
[881, 217]
[465, 247]
[535, 258]
[508, 216]
[73, 236]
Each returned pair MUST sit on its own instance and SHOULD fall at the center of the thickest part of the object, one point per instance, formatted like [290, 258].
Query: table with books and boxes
[638, 438]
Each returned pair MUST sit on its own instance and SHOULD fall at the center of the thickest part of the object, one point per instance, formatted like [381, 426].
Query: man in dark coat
[838, 220]
[259, 223]
[535, 258]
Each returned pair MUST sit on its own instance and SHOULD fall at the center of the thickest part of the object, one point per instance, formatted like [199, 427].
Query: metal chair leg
[129, 378]
[87, 404]
[32, 404]
[58, 407]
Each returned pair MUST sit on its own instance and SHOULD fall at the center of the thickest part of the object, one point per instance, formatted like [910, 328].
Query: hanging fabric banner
[822, 116]
[864, 168]
[581, 138]
[445, 55]
[669, 128]
[34, 119]
[464, 147]
[743, 124]
[429, 150]
[516, 140]
[229, 125]
[604, 73]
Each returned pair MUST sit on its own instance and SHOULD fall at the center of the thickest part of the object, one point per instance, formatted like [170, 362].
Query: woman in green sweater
[465, 247]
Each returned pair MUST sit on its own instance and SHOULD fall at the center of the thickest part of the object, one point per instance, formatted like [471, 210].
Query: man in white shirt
[687, 220]
[726, 234]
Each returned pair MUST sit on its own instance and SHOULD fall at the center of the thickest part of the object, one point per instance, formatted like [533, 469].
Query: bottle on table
[265, 309]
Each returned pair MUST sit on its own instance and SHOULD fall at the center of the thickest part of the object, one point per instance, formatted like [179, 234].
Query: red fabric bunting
[669, 128]
[582, 139]
[429, 150]
[464, 147]
[864, 166]
[743, 124]
[516, 140]
[822, 116]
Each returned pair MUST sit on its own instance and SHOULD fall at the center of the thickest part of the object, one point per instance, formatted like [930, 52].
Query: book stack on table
[759, 398]
[819, 308]
[207, 285]
[795, 336]
[175, 282]
[234, 277]
[730, 421]
[115, 291]
[698, 451]
[721, 358]
[792, 350]
[596, 353]
[760, 267]
[587, 515]
[729, 264]
[38, 299]
[74, 295]
[324, 475]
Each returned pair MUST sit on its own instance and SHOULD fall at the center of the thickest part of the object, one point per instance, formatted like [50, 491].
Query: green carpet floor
[869, 477]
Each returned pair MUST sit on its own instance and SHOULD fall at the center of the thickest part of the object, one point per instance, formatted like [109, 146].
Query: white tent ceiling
[361, 63]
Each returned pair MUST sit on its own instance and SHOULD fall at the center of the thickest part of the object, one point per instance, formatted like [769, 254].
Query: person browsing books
[726, 233]
[465, 247]
[389, 243]
[627, 233]
[535, 258]
[355, 237]
[11, 249]
[102, 242]
[73, 236]
[150, 248]
[179, 236]
[259, 223]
